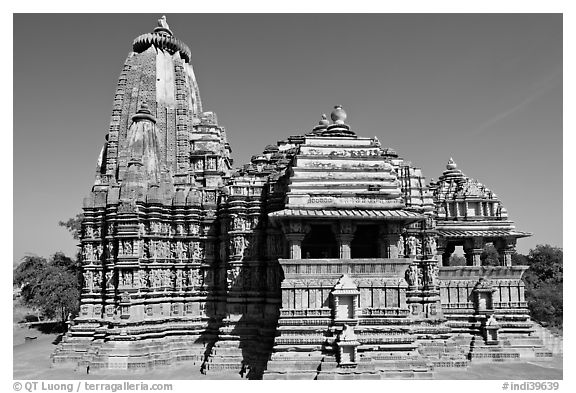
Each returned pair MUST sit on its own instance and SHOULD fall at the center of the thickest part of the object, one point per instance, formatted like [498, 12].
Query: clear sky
[485, 89]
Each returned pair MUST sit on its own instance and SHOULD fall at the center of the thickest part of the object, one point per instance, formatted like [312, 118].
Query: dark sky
[485, 89]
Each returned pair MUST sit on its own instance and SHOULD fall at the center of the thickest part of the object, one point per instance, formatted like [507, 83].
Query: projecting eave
[349, 214]
[459, 233]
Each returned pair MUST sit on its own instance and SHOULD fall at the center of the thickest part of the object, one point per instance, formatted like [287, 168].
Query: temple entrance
[365, 242]
[319, 243]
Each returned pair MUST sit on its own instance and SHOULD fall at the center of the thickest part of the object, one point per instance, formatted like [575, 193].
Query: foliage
[519, 260]
[52, 286]
[544, 283]
[59, 292]
[545, 263]
[457, 260]
[490, 256]
[27, 276]
[74, 225]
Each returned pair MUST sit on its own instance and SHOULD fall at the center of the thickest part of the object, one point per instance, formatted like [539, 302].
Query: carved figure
[99, 251]
[155, 227]
[181, 250]
[400, 246]
[412, 276]
[211, 164]
[89, 280]
[198, 250]
[194, 229]
[155, 279]
[232, 275]
[193, 277]
[432, 274]
[109, 279]
[97, 279]
[127, 280]
[128, 247]
[110, 247]
[429, 245]
[143, 278]
[180, 279]
[412, 246]
[88, 252]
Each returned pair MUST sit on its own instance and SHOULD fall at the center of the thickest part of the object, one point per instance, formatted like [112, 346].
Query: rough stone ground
[32, 361]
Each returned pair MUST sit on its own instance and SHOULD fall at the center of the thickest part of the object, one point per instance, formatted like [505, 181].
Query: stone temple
[326, 256]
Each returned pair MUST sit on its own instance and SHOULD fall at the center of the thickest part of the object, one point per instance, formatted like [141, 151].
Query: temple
[326, 256]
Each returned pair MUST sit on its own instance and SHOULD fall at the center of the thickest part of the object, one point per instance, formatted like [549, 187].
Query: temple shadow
[256, 327]
[209, 336]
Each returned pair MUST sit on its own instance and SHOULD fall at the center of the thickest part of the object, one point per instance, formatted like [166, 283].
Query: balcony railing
[385, 267]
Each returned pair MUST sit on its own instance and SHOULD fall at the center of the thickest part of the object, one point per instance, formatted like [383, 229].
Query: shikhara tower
[325, 256]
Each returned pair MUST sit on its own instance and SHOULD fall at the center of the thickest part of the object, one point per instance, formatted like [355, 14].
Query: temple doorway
[365, 242]
[319, 243]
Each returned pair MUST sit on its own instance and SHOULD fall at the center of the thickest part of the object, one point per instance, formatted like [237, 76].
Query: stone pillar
[473, 249]
[389, 240]
[345, 241]
[295, 232]
[442, 252]
[295, 245]
[506, 247]
[345, 236]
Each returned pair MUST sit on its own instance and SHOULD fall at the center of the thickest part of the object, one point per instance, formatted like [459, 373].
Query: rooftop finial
[338, 115]
[339, 127]
[163, 27]
[451, 164]
[322, 125]
[163, 23]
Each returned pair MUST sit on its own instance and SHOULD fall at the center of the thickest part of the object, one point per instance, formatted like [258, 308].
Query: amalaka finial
[451, 164]
[338, 115]
[144, 114]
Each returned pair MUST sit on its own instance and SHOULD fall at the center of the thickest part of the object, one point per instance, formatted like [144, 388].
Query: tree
[519, 259]
[74, 225]
[28, 275]
[61, 260]
[457, 260]
[59, 293]
[490, 256]
[545, 263]
[544, 283]
[51, 286]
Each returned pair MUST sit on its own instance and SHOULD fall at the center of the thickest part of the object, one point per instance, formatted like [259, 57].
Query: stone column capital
[345, 237]
[295, 237]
